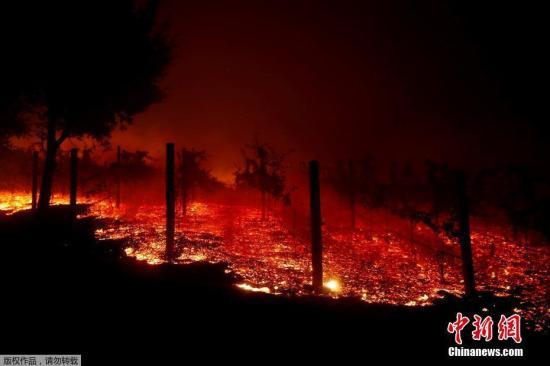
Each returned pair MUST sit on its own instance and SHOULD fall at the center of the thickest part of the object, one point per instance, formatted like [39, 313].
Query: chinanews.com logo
[508, 328]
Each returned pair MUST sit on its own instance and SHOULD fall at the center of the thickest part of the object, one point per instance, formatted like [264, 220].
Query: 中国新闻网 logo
[507, 328]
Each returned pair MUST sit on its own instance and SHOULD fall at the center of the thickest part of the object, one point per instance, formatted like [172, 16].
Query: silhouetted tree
[343, 178]
[518, 192]
[81, 68]
[192, 174]
[263, 170]
[135, 166]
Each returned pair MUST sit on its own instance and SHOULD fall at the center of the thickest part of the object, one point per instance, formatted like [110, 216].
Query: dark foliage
[80, 68]
[263, 170]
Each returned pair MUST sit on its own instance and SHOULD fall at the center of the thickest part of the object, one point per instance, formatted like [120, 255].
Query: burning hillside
[377, 262]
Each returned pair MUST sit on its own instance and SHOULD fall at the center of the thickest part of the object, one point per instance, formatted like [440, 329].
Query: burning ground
[378, 262]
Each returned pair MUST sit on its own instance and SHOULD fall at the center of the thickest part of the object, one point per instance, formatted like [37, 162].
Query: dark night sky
[335, 79]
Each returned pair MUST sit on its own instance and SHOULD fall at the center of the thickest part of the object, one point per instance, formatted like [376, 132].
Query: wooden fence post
[316, 235]
[34, 180]
[118, 177]
[170, 201]
[464, 234]
[74, 177]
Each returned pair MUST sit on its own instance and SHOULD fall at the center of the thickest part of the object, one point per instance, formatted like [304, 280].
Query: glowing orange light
[333, 285]
[377, 265]
[247, 287]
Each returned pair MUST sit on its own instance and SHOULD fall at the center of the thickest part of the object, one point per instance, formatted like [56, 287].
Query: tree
[191, 174]
[81, 68]
[263, 170]
[134, 166]
[357, 182]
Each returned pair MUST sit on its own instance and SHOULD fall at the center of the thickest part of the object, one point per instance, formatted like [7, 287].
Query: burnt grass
[64, 292]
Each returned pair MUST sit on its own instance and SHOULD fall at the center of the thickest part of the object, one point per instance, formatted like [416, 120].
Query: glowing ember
[247, 287]
[13, 202]
[333, 285]
[378, 263]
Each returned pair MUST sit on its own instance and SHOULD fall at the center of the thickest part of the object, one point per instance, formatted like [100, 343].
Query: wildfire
[377, 264]
[333, 285]
[247, 287]
[14, 202]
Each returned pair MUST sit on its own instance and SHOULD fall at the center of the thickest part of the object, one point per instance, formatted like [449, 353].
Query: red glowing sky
[325, 81]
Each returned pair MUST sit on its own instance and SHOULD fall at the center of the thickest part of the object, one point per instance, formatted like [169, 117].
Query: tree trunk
[49, 167]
